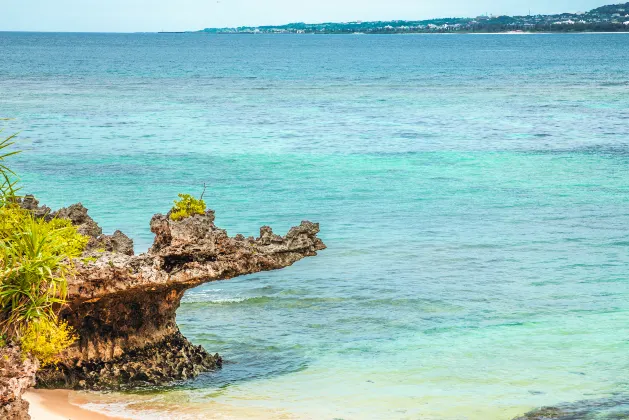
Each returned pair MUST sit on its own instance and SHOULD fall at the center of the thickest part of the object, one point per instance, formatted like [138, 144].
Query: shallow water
[472, 191]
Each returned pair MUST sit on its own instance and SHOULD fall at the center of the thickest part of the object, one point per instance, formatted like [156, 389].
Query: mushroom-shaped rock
[123, 306]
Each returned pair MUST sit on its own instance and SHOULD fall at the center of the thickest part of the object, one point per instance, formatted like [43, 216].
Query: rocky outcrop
[16, 376]
[77, 214]
[30, 203]
[123, 306]
[173, 358]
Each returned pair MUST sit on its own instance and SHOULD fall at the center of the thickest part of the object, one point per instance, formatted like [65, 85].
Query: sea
[473, 192]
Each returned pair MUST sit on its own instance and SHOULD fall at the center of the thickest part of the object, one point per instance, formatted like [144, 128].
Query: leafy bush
[186, 207]
[35, 257]
[46, 338]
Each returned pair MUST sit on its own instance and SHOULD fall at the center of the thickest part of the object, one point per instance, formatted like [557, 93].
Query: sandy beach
[55, 405]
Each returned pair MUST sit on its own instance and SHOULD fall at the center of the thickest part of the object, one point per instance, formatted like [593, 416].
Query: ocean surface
[473, 191]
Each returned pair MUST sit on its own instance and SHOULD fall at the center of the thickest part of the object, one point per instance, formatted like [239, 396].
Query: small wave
[202, 299]
[285, 302]
[228, 300]
[124, 410]
[206, 299]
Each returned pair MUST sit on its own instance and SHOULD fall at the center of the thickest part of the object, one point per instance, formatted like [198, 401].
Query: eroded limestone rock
[123, 306]
[173, 359]
[77, 214]
[16, 376]
[30, 203]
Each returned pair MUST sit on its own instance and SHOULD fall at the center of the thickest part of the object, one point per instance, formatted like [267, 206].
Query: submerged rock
[544, 413]
[123, 306]
[16, 376]
[615, 406]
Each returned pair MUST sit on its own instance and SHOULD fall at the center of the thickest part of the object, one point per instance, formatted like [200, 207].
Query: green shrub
[35, 257]
[46, 338]
[186, 207]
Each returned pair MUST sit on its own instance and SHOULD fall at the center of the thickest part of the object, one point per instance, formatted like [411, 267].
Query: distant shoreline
[610, 18]
[387, 34]
[339, 34]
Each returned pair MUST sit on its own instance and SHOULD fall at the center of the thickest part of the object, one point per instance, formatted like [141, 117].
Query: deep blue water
[472, 191]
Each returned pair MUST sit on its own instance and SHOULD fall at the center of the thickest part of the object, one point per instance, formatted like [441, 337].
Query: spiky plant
[8, 181]
[35, 258]
[36, 255]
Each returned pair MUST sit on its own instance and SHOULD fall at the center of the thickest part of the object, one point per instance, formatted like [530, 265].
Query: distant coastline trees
[611, 18]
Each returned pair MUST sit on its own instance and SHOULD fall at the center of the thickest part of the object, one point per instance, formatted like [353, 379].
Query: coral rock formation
[123, 306]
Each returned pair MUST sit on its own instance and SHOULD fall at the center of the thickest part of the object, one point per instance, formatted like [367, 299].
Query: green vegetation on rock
[36, 255]
[186, 207]
[8, 188]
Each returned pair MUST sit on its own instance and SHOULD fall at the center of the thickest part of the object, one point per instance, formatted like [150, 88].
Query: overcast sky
[155, 15]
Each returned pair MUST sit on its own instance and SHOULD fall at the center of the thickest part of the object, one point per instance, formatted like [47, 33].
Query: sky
[175, 15]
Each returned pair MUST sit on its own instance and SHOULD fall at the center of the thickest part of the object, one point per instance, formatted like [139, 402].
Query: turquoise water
[473, 192]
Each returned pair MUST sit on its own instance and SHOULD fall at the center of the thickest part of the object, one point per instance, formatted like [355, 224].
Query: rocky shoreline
[123, 306]
[172, 359]
[17, 374]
